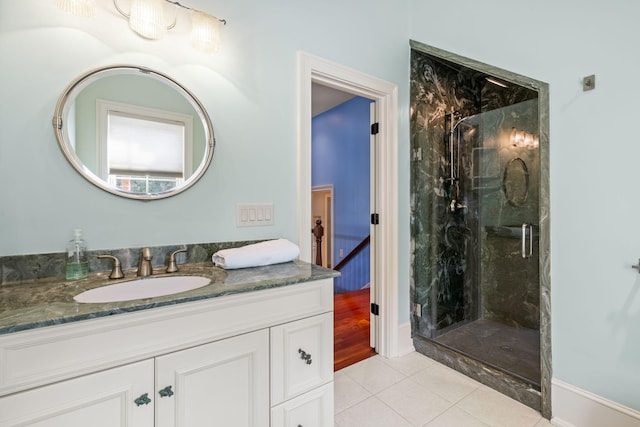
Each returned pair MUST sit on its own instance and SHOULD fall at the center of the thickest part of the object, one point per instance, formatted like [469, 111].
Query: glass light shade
[85, 8]
[514, 136]
[147, 18]
[205, 32]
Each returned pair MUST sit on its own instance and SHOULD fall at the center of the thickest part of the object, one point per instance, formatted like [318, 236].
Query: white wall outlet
[254, 214]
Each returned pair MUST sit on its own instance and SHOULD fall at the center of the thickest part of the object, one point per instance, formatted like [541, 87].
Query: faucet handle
[173, 267]
[116, 272]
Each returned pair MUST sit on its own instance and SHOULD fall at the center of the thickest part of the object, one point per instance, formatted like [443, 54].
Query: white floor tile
[410, 363]
[373, 375]
[445, 382]
[370, 413]
[347, 392]
[498, 410]
[455, 417]
[414, 390]
[414, 402]
[544, 423]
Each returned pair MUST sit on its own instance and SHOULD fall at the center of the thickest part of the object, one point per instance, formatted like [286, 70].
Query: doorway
[384, 237]
[342, 149]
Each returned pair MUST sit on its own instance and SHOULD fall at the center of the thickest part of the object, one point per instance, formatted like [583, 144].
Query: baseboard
[574, 407]
[405, 342]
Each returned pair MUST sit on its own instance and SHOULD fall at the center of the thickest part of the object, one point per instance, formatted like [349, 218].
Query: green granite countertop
[44, 302]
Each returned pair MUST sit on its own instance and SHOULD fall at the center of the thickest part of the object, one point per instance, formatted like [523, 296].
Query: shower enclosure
[476, 181]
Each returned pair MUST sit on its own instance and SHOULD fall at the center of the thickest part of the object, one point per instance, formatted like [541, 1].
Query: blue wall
[340, 157]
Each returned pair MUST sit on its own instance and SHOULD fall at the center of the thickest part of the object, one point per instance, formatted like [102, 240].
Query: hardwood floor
[351, 328]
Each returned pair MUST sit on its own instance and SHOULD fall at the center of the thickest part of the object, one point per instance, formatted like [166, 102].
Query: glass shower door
[476, 257]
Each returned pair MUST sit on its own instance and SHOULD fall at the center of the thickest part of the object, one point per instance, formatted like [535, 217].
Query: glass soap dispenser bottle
[77, 262]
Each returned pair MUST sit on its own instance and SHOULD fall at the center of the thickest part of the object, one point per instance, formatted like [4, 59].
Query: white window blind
[139, 145]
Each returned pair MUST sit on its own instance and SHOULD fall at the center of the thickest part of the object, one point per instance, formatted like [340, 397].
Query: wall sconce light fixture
[520, 138]
[148, 18]
[85, 8]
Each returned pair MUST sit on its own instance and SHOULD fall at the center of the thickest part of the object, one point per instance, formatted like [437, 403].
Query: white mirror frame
[76, 86]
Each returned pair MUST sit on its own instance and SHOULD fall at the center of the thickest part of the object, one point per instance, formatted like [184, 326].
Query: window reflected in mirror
[145, 151]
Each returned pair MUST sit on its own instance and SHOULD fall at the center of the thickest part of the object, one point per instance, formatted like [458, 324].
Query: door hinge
[375, 128]
[375, 219]
[375, 309]
[417, 154]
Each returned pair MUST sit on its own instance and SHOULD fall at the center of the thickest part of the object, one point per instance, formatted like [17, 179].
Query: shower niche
[479, 229]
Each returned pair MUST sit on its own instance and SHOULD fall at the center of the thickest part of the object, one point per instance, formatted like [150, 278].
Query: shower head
[461, 120]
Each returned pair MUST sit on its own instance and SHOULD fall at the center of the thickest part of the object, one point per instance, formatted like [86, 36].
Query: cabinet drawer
[312, 409]
[301, 356]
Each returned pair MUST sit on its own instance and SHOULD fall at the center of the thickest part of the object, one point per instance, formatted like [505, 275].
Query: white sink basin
[142, 288]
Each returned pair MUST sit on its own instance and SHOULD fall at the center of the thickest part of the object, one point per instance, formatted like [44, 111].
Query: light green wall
[594, 156]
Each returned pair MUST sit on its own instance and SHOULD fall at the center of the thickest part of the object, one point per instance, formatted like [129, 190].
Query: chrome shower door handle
[526, 227]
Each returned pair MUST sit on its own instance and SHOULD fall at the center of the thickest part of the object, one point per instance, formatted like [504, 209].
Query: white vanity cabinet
[226, 381]
[233, 361]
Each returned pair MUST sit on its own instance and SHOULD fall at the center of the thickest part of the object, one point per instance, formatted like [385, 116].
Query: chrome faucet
[144, 267]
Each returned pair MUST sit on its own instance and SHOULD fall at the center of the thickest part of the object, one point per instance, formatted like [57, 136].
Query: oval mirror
[134, 132]
[515, 182]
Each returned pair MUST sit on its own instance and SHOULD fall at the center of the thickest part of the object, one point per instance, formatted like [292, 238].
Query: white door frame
[384, 243]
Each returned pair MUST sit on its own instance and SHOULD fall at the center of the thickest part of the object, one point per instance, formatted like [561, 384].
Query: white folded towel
[258, 254]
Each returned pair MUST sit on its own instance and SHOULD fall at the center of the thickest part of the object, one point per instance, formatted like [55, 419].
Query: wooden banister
[353, 253]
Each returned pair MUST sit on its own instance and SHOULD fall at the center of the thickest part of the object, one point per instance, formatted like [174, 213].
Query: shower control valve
[454, 206]
[637, 267]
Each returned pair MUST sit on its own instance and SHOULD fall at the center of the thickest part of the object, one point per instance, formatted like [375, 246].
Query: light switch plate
[254, 214]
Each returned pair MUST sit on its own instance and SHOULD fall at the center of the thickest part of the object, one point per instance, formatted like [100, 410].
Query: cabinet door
[312, 409]
[103, 399]
[301, 356]
[224, 383]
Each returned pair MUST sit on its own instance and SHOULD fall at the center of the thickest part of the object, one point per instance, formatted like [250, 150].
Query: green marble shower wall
[467, 262]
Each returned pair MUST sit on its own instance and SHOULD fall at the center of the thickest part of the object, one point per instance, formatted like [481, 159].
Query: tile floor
[414, 390]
